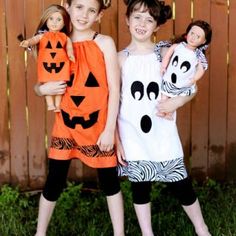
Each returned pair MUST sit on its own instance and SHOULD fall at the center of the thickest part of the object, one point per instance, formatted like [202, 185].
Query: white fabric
[159, 141]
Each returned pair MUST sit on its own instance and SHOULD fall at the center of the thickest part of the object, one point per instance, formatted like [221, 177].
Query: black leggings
[182, 190]
[57, 176]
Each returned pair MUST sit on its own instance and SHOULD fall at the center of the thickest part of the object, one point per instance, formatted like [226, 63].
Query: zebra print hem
[166, 171]
[87, 150]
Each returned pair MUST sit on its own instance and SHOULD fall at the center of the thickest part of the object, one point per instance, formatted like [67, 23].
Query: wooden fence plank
[200, 107]
[218, 89]
[4, 113]
[36, 109]
[18, 128]
[231, 122]
[165, 31]
[123, 31]
[182, 19]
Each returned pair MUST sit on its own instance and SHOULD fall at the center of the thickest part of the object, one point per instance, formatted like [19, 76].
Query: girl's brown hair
[157, 9]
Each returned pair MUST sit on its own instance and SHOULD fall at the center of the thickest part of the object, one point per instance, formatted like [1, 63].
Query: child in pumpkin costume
[54, 50]
[85, 127]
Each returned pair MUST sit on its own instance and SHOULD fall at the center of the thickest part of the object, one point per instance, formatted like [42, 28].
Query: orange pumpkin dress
[83, 110]
[53, 62]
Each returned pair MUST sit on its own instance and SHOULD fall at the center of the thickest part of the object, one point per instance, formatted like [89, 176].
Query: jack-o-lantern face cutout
[53, 62]
[53, 50]
[77, 101]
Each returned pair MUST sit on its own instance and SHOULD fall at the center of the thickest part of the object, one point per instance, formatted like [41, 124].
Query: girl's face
[84, 13]
[55, 22]
[196, 37]
[141, 24]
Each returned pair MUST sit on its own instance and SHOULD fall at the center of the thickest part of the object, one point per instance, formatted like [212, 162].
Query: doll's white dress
[181, 69]
[152, 147]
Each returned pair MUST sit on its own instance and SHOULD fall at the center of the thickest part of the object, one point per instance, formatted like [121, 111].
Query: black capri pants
[182, 190]
[57, 176]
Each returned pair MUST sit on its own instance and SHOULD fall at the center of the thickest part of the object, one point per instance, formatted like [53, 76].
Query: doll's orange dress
[83, 110]
[53, 62]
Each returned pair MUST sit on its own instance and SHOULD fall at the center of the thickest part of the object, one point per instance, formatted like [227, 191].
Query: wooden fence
[207, 125]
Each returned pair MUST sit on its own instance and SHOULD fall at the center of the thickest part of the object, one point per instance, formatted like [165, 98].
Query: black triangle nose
[53, 54]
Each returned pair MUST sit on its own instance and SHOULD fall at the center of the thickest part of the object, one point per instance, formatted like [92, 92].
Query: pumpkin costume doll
[54, 49]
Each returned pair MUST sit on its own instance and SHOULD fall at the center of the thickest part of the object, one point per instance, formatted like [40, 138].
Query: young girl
[185, 62]
[54, 50]
[85, 127]
[149, 148]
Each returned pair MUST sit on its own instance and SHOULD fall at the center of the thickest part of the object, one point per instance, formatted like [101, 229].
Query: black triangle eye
[49, 45]
[59, 45]
[91, 81]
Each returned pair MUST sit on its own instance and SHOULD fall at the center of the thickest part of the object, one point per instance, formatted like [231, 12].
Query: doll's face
[55, 22]
[196, 37]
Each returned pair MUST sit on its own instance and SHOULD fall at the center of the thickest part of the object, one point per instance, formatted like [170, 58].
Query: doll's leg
[58, 102]
[50, 102]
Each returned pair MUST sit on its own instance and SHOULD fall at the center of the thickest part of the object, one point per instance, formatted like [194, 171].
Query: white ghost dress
[151, 144]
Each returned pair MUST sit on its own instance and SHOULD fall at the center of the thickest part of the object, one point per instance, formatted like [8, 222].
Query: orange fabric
[53, 62]
[83, 110]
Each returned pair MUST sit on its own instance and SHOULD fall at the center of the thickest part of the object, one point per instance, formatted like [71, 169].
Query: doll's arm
[166, 58]
[69, 49]
[199, 73]
[31, 42]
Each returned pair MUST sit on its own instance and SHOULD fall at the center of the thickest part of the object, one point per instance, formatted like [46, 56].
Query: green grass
[80, 212]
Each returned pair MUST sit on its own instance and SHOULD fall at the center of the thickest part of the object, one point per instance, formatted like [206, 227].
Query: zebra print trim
[167, 171]
[87, 150]
[157, 49]
[170, 88]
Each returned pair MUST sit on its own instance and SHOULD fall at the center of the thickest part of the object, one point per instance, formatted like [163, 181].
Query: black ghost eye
[137, 90]
[153, 91]
[175, 61]
[49, 45]
[59, 45]
[185, 66]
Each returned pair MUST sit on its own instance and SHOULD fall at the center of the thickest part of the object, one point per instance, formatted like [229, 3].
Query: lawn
[82, 211]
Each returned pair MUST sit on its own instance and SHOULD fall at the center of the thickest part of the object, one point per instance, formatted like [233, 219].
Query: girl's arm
[107, 45]
[32, 41]
[172, 104]
[167, 57]
[69, 49]
[50, 88]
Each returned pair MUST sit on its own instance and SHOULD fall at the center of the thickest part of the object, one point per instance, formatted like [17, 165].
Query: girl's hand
[120, 152]
[170, 105]
[106, 141]
[51, 88]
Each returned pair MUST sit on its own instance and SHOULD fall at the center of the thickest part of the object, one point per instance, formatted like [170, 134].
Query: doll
[185, 63]
[54, 50]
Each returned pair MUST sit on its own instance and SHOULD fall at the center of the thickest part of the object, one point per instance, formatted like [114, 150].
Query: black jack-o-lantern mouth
[91, 82]
[79, 120]
[53, 66]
